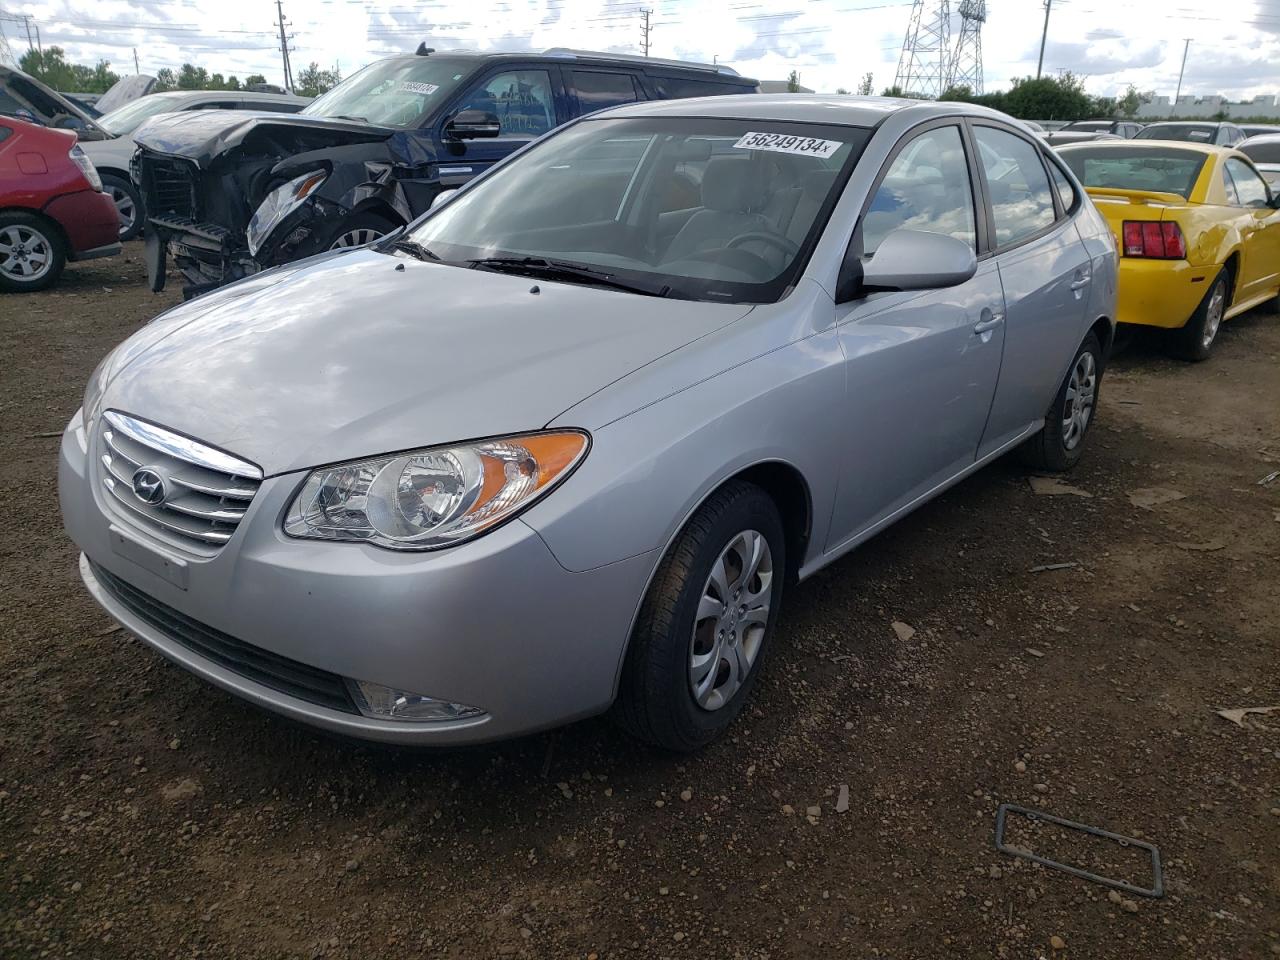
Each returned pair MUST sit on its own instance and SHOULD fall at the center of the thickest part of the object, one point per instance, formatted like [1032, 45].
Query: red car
[52, 208]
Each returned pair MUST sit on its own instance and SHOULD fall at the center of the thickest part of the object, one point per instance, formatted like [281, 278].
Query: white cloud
[832, 43]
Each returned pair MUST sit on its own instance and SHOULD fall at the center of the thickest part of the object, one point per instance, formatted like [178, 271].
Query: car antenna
[424, 50]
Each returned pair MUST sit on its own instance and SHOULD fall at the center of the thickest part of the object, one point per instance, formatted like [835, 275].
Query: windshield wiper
[415, 249]
[344, 116]
[564, 270]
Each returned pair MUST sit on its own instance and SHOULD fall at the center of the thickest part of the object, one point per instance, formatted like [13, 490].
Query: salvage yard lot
[146, 814]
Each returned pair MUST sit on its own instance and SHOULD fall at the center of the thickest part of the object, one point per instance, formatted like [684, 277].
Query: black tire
[358, 230]
[123, 191]
[1194, 342]
[1057, 448]
[21, 235]
[656, 702]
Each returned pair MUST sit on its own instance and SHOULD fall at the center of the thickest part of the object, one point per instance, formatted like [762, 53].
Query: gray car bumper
[496, 623]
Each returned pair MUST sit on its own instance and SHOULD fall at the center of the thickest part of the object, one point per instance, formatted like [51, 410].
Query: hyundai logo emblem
[148, 486]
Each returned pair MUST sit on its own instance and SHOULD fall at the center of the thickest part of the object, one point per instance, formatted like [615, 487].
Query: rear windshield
[1266, 152]
[1093, 125]
[1161, 171]
[1192, 132]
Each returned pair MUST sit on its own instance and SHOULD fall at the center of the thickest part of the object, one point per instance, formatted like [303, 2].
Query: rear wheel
[706, 622]
[1194, 342]
[358, 230]
[1060, 445]
[32, 253]
[128, 203]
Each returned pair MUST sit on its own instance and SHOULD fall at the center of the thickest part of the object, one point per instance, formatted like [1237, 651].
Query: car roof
[1264, 138]
[181, 96]
[1184, 123]
[809, 108]
[650, 65]
[1119, 146]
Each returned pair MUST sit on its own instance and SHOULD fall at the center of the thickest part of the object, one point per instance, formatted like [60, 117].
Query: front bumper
[497, 623]
[1160, 293]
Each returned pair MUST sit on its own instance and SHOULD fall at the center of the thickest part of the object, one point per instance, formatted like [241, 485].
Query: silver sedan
[563, 443]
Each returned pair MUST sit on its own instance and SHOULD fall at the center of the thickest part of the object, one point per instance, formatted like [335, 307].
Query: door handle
[986, 326]
[1079, 283]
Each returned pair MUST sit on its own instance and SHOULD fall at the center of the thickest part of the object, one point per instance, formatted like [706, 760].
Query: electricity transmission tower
[925, 64]
[645, 29]
[7, 57]
[966, 62]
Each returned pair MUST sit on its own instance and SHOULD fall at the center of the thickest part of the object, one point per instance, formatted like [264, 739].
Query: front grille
[170, 186]
[204, 492]
[253, 663]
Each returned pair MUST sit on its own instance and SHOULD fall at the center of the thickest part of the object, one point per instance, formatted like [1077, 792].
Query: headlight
[281, 202]
[427, 499]
[86, 166]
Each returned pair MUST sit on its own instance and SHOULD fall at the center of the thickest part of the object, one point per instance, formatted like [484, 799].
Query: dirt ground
[145, 814]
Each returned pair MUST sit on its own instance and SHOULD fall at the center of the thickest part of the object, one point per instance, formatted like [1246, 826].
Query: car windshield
[1157, 171]
[1262, 151]
[394, 93]
[129, 117]
[1089, 125]
[695, 208]
[1192, 132]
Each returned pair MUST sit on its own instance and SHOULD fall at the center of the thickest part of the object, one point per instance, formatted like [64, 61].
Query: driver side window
[521, 100]
[926, 187]
[1250, 189]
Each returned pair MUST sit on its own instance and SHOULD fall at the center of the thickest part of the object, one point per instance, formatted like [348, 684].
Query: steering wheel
[774, 239]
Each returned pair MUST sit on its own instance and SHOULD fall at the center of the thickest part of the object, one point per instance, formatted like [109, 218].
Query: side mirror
[910, 260]
[472, 124]
[441, 198]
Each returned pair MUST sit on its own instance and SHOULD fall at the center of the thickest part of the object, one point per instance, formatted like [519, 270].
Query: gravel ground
[145, 814]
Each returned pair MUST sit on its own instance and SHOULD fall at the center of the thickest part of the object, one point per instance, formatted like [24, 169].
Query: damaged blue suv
[230, 193]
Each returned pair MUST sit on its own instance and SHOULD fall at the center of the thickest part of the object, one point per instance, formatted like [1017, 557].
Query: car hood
[204, 135]
[349, 356]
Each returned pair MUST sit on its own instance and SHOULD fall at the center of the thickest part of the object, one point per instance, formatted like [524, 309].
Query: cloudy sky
[1235, 48]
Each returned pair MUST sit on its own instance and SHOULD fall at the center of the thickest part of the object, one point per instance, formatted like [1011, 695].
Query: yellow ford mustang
[1197, 229]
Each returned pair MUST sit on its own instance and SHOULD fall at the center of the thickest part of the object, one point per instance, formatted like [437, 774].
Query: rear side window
[925, 188]
[677, 88]
[1021, 198]
[1066, 192]
[597, 89]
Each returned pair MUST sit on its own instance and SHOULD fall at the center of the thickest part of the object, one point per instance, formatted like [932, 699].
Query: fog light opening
[379, 702]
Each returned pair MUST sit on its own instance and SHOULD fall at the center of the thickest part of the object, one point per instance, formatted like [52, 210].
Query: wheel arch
[1232, 265]
[378, 206]
[45, 220]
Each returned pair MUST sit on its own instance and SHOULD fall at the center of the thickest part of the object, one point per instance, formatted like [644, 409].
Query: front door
[921, 367]
[525, 103]
[1260, 228]
[1045, 272]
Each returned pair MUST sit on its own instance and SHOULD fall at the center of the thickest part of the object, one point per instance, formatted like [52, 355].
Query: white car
[112, 157]
[1264, 151]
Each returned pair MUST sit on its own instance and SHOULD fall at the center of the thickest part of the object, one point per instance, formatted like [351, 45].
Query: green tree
[216, 82]
[312, 81]
[1129, 104]
[793, 82]
[864, 88]
[253, 78]
[894, 91]
[49, 66]
[233, 82]
[841, 90]
[1049, 98]
[165, 80]
[191, 77]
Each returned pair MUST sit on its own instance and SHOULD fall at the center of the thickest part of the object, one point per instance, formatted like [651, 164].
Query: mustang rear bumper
[1160, 293]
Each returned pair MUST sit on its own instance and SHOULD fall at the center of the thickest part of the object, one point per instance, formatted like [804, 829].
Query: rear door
[595, 89]
[523, 97]
[1045, 272]
[927, 359]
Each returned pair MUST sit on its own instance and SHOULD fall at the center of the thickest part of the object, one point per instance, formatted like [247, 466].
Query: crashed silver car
[562, 443]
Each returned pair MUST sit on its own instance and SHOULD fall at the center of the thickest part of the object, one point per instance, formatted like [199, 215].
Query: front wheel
[32, 254]
[128, 203]
[358, 230]
[706, 622]
[1060, 445]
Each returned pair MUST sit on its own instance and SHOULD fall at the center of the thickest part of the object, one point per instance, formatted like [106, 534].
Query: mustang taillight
[1156, 240]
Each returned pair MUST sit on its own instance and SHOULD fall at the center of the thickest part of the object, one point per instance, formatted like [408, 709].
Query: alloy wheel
[26, 254]
[125, 208]
[732, 617]
[1213, 314]
[1082, 388]
[355, 238]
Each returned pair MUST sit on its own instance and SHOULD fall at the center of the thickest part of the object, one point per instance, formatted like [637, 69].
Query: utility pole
[26, 19]
[1181, 70]
[645, 30]
[1043, 36]
[284, 46]
[136, 71]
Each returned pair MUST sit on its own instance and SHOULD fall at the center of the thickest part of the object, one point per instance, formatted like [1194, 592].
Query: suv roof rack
[568, 52]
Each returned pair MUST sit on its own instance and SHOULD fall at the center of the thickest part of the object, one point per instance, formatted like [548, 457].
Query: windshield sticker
[413, 86]
[1199, 134]
[785, 143]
